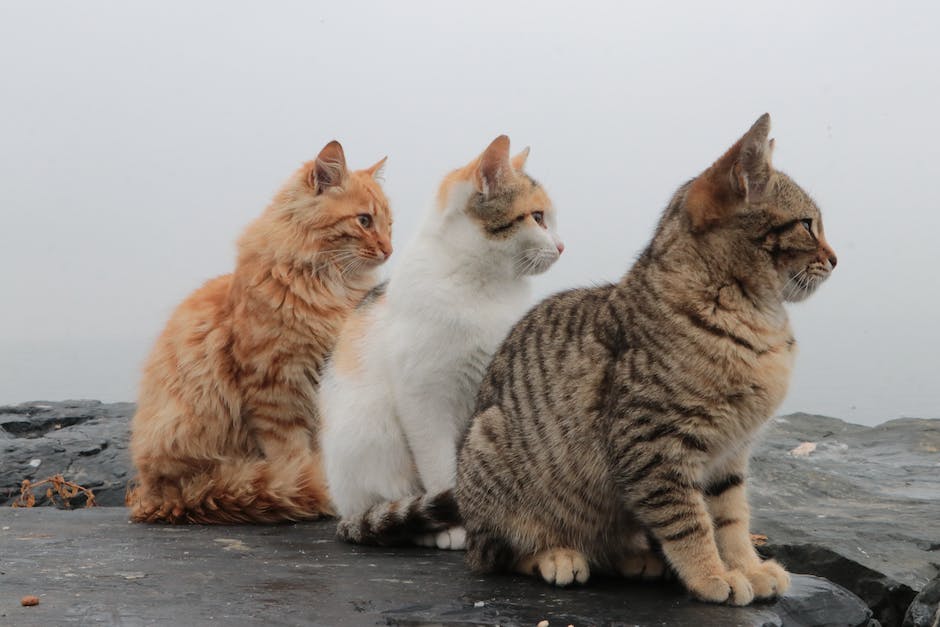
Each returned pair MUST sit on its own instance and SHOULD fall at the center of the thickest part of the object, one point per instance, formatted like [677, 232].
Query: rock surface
[860, 509]
[92, 567]
[925, 609]
[857, 505]
[85, 441]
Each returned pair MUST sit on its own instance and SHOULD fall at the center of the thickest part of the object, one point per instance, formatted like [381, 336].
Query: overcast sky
[137, 140]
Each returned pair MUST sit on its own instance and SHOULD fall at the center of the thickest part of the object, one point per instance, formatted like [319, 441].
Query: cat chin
[804, 291]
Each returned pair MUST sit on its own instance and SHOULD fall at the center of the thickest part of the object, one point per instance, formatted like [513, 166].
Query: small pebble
[479, 604]
[542, 623]
[29, 600]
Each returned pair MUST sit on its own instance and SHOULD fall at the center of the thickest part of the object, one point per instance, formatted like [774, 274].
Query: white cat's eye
[539, 217]
[365, 220]
[808, 225]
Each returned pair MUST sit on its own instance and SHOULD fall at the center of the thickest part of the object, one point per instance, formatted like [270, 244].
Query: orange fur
[226, 423]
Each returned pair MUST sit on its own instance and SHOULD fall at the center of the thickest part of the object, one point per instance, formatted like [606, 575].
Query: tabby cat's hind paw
[647, 565]
[453, 539]
[769, 580]
[560, 567]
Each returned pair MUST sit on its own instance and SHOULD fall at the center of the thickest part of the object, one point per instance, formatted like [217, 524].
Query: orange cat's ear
[494, 167]
[377, 170]
[329, 168]
[740, 175]
[518, 162]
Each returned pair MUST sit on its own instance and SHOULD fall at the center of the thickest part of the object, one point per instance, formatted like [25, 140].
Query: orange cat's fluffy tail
[400, 522]
[251, 491]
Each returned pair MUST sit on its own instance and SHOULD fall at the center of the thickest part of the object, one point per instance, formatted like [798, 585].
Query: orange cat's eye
[365, 220]
[808, 225]
[539, 217]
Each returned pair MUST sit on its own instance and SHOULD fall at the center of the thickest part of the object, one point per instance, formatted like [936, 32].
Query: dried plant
[59, 492]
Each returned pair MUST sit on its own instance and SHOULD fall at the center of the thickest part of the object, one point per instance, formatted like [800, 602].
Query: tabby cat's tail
[401, 522]
[249, 491]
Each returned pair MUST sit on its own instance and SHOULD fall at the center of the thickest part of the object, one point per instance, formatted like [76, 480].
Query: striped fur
[613, 425]
[226, 422]
[393, 523]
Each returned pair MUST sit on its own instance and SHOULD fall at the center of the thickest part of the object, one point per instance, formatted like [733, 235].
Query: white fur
[391, 430]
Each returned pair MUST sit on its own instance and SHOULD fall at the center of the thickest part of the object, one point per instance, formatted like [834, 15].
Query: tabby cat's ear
[740, 175]
[377, 170]
[329, 168]
[494, 168]
[518, 162]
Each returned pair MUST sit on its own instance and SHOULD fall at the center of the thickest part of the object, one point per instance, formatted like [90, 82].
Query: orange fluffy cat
[226, 423]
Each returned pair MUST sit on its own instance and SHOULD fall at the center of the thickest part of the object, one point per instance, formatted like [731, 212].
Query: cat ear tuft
[329, 168]
[518, 162]
[377, 170]
[495, 167]
[740, 175]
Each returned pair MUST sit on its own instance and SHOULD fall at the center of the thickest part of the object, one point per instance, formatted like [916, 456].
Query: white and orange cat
[400, 386]
[226, 422]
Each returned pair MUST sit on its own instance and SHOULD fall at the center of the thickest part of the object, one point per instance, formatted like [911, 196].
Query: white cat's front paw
[453, 539]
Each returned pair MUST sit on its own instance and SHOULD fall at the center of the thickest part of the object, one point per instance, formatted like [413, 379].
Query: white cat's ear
[377, 170]
[495, 167]
[740, 175]
[329, 168]
[518, 162]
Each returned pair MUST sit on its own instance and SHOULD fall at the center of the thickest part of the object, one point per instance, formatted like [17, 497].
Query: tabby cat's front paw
[732, 587]
[768, 579]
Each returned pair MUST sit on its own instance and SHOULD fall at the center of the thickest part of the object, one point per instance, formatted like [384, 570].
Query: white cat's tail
[403, 521]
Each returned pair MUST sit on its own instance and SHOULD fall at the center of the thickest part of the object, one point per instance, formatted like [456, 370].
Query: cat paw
[647, 565]
[561, 567]
[731, 587]
[453, 539]
[768, 579]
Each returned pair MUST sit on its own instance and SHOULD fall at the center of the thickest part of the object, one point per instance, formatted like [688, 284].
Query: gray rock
[859, 509]
[925, 609]
[92, 567]
[85, 441]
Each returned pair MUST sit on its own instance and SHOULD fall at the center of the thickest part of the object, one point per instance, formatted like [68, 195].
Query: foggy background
[137, 141]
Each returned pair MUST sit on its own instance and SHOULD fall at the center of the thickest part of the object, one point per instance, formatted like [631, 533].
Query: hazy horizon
[137, 142]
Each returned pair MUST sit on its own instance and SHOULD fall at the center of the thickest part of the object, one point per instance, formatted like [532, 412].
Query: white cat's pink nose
[560, 246]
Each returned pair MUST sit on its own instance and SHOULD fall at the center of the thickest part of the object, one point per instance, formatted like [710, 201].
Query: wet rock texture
[856, 505]
[92, 567]
[925, 610]
[861, 508]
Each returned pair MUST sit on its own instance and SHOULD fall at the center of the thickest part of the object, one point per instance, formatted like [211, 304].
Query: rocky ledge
[856, 505]
[92, 567]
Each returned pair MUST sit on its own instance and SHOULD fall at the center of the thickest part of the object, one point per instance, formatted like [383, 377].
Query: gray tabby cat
[614, 424]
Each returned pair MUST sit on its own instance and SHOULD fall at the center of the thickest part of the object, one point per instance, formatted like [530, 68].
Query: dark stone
[925, 609]
[859, 510]
[92, 566]
[85, 441]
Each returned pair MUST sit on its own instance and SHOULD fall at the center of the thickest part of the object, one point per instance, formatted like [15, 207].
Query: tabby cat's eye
[365, 220]
[808, 225]
[539, 217]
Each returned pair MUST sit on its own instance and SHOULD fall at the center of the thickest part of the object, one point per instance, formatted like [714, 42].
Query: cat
[613, 425]
[226, 422]
[400, 386]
